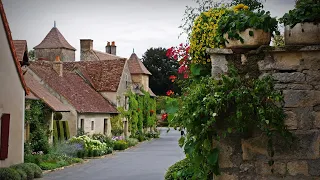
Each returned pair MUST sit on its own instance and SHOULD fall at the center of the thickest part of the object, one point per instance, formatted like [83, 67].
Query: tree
[31, 55]
[161, 68]
[278, 40]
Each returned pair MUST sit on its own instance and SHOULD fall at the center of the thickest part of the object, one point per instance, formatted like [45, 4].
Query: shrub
[48, 166]
[27, 169]
[132, 141]
[37, 170]
[180, 170]
[22, 174]
[120, 145]
[141, 137]
[9, 174]
[65, 148]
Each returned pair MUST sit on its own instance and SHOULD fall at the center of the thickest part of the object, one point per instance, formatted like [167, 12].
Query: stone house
[53, 45]
[12, 97]
[90, 111]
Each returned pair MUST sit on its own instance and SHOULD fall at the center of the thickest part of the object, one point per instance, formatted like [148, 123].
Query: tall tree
[161, 68]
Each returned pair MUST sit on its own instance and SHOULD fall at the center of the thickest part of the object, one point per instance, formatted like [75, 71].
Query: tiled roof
[13, 50]
[106, 56]
[103, 75]
[21, 48]
[71, 86]
[54, 40]
[136, 66]
[31, 96]
[41, 92]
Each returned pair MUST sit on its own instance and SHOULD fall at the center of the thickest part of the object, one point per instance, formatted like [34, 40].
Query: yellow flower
[246, 7]
[241, 6]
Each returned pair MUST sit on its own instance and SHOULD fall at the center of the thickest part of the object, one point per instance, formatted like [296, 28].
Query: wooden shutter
[5, 125]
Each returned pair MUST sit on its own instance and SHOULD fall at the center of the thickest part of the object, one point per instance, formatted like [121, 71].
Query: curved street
[147, 161]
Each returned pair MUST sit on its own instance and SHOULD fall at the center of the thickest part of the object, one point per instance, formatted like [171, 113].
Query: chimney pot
[108, 48]
[113, 48]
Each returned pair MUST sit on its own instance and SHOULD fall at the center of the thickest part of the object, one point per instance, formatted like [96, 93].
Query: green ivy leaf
[213, 157]
[181, 141]
[195, 69]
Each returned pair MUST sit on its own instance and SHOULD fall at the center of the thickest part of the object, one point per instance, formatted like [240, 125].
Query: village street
[147, 161]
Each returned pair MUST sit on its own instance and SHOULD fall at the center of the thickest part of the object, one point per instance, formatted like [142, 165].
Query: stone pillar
[218, 61]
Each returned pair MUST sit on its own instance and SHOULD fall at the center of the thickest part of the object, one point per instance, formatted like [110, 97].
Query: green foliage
[278, 40]
[37, 170]
[304, 11]
[161, 67]
[181, 170]
[132, 141]
[191, 13]
[9, 174]
[234, 22]
[22, 174]
[61, 130]
[103, 139]
[37, 116]
[27, 169]
[139, 113]
[117, 125]
[120, 145]
[50, 161]
[57, 116]
[89, 145]
[213, 109]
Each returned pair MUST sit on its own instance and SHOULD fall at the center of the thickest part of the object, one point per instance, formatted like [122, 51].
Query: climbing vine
[36, 116]
[213, 109]
[141, 112]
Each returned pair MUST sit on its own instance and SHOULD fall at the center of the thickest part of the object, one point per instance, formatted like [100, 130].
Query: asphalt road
[147, 161]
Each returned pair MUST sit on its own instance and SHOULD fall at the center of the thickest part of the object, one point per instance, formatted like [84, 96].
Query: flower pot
[258, 39]
[302, 34]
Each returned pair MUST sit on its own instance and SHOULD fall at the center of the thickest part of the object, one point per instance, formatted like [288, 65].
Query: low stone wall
[296, 70]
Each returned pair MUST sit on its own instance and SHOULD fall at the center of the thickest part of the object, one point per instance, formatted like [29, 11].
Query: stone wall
[66, 55]
[296, 70]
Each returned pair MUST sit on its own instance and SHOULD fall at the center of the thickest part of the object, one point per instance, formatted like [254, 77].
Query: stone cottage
[12, 96]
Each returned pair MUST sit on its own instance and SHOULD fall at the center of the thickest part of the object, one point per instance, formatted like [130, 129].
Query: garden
[234, 103]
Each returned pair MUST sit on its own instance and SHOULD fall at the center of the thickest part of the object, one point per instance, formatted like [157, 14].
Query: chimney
[86, 44]
[57, 66]
[113, 48]
[108, 48]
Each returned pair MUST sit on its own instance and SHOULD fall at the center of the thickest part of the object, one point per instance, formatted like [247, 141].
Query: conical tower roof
[54, 40]
[136, 66]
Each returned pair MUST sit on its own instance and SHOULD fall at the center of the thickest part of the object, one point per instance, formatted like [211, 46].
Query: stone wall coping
[288, 48]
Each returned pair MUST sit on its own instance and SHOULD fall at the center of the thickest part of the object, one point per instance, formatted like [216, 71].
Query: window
[105, 127]
[92, 125]
[82, 124]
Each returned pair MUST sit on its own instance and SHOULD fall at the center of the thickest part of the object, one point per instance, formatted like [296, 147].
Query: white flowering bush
[90, 146]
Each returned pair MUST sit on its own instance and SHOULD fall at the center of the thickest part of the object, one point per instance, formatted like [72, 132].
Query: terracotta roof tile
[54, 40]
[71, 86]
[21, 48]
[106, 56]
[136, 66]
[32, 96]
[103, 75]
[13, 50]
[41, 92]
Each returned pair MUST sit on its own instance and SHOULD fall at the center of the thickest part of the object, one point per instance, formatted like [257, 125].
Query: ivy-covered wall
[296, 72]
[141, 113]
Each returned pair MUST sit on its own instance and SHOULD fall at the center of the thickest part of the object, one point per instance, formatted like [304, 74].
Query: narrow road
[147, 161]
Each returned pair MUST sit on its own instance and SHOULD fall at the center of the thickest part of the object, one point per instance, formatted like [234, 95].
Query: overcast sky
[138, 24]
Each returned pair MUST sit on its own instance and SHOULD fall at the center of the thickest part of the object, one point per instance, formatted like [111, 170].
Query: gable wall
[12, 101]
